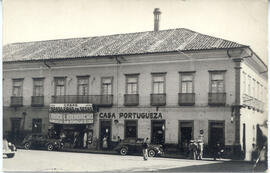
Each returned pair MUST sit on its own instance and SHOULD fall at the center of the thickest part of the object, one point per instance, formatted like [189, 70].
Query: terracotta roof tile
[121, 44]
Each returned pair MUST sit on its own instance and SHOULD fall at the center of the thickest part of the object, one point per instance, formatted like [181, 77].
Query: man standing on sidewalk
[144, 148]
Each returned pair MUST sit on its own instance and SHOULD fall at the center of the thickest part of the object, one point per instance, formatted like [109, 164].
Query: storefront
[73, 123]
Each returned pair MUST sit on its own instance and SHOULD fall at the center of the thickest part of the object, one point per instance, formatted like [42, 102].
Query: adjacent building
[168, 85]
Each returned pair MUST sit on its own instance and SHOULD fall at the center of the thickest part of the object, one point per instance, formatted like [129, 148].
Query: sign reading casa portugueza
[131, 115]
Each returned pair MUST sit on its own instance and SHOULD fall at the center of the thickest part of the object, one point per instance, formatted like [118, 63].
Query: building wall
[172, 64]
[96, 70]
[253, 113]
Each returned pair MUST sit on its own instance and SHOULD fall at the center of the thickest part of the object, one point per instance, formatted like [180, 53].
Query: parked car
[42, 141]
[9, 149]
[133, 145]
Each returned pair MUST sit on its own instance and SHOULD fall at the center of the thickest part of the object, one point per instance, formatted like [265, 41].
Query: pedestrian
[75, 140]
[254, 153]
[105, 143]
[193, 149]
[261, 162]
[217, 151]
[144, 148]
[118, 139]
[200, 150]
[85, 139]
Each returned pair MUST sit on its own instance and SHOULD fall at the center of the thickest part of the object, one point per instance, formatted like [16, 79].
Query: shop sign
[71, 108]
[67, 118]
[131, 115]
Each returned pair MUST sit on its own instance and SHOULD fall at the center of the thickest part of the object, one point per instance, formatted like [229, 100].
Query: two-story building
[169, 85]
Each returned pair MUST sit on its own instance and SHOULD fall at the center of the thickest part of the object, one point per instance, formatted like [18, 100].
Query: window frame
[20, 87]
[244, 83]
[101, 84]
[88, 88]
[211, 73]
[137, 83]
[55, 85]
[34, 86]
[181, 74]
[160, 74]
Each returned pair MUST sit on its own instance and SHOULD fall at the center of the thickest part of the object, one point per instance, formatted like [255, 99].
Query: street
[37, 160]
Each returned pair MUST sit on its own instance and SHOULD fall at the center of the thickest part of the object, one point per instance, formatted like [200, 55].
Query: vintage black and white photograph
[135, 86]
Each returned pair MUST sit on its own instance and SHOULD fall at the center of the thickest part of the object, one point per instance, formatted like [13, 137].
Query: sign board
[66, 118]
[71, 113]
[131, 115]
[71, 108]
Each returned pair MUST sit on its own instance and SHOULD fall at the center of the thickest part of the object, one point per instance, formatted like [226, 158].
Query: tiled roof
[121, 44]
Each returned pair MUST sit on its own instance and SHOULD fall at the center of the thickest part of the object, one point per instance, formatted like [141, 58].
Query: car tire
[27, 145]
[123, 151]
[50, 147]
[151, 153]
[10, 155]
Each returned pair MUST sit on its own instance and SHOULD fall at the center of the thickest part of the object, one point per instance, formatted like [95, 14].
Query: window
[132, 84]
[261, 89]
[186, 83]
[244, 83]
[60, 86]
[17, 87]
[36, 125]
[258, 91]
[249, 86]
[83, 85]
[158, 83]
[38, 87]
[106, 86]
[253, 88]
[130, 129]
[217, 82]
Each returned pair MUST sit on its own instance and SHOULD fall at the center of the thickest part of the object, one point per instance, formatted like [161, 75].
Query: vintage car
[134, 145]
[9, 149]
[42, 141]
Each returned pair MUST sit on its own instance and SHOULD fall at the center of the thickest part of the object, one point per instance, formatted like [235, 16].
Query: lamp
[163, 127]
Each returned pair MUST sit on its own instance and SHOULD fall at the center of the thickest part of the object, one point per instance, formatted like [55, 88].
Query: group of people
[76, 139]
[195, 149]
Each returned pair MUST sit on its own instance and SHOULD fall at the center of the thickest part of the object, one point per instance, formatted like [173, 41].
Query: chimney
[157, 13]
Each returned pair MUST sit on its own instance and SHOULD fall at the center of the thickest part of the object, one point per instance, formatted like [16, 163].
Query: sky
[242, 21]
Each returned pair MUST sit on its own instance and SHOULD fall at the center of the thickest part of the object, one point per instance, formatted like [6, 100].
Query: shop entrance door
[216, 133]
[15, 130]
[185, 133]
[105, 132]
[158, 131]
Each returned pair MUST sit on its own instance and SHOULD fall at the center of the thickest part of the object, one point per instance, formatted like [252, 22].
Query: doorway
[244, 139]
[105, 132]
[15, 130]
[158, 131]
[131, 128]
[216, 133]
[185, 133]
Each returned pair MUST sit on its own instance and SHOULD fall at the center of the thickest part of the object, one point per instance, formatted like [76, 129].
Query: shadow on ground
[226, 166]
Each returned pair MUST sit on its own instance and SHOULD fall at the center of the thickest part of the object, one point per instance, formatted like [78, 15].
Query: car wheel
[123, 151]
[50, 147]
[27, 146]
[151, 153]
[10, 155]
